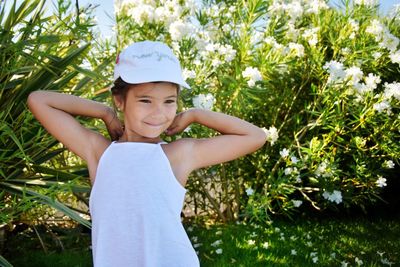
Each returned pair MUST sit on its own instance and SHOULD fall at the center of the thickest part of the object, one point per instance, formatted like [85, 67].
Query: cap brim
[146, 75]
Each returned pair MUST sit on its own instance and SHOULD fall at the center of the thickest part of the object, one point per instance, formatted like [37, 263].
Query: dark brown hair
[120, 88]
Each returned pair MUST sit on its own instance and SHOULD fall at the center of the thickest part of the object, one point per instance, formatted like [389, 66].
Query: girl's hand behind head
[181, 122]
[114, 125]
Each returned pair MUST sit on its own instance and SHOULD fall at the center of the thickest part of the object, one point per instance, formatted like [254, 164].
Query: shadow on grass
[304, 242]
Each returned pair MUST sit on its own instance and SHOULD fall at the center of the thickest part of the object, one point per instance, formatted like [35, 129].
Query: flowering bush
[324, 83]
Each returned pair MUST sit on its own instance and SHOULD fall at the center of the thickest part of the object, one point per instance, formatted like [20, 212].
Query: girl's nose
[157, 111]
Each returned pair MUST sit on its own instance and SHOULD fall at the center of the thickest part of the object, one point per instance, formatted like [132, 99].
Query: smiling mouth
[155, 125]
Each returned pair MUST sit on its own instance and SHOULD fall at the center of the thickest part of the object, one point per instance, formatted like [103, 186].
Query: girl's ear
[118, 102]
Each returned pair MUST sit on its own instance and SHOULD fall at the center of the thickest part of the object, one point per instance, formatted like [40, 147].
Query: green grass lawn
[304, 243]
[333, 242]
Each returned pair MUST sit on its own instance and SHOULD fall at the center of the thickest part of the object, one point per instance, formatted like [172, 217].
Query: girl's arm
[55, 112]
[238, 137]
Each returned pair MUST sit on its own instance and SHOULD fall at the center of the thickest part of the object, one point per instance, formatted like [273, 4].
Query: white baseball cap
[148, 61]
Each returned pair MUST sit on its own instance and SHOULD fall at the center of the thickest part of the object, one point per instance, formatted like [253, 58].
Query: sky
[105, 10]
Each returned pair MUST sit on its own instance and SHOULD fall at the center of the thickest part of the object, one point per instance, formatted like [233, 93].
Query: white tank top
[135, 205]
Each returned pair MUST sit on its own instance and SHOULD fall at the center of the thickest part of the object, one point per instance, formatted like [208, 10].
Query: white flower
[298, 49]
[276, 8]
[216, 62]
[294, 160]
[251, 242]
[282, 237]
[311, 36]
[394, 11]
[383, 36]
[335, 70]
[292, 33]
[142, 13]
[383, 106]
[204, 101]
[358, 261]
[385, 261]
[249, 191]
[253, 74]
[376, 28]
[218, 251]
[288, 171]
[335, 196]
[188, 74]
[344, 264]
[321, 169]
[297, 203]
[179, 30]
[370, 3]
[265, 245]
[294, 9]
[256, 38]
[354, 25]
[228, 52]
[192, 6]
[395, 57]
[381, 182]
[314, 6]
[293, 252]
[354, 73]
[389, 41]
[314, 257]
[345, 51]
[392, 89]
[371, 81]
[168, 13]
[216, 243]
[389, 164]
[227, 28]
[271, 134]
[377, 55]
[284, 153]
[270, 40]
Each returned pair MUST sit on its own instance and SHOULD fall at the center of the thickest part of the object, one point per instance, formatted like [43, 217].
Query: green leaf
[4, 262]
[46, 200]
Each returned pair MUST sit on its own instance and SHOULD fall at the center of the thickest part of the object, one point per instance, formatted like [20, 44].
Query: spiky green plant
[39, 52]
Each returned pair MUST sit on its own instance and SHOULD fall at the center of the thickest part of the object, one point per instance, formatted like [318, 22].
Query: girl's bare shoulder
[179, 146]
[99, 145]
[179, 150]
[178, 154]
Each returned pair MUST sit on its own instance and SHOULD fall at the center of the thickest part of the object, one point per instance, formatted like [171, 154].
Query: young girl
[138, 181]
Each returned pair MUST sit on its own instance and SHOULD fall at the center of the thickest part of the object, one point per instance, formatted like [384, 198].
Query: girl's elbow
[33, 98]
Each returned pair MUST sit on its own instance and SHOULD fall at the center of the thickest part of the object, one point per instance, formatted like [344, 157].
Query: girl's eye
[170, 101]
[144, 101]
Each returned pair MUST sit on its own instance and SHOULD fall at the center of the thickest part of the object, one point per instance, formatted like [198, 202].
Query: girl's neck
[132, 138]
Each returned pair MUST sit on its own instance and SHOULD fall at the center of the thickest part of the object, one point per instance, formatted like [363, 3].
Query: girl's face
[149, 109]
